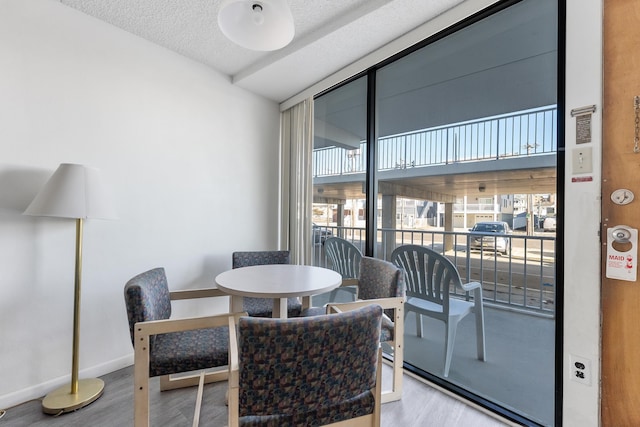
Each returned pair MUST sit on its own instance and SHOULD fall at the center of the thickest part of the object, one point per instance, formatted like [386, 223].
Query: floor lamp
[73, 191]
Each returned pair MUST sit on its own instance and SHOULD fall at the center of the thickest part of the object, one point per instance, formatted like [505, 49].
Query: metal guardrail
[523, 279]
[506, 136]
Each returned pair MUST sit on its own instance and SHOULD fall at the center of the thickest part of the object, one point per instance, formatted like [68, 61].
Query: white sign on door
[622, 253]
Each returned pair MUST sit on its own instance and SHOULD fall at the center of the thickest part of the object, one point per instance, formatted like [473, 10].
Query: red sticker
[582, 179]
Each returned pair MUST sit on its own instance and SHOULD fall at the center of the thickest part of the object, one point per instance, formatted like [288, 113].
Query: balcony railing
[521, 279]
[506, 136]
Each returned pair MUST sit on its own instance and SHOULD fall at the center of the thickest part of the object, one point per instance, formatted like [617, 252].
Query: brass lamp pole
[82, 392]
[73, 191]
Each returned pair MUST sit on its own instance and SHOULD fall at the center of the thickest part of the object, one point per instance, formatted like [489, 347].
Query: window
[428, 143]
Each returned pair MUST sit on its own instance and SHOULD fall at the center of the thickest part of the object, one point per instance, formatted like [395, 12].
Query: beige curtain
[296, 147]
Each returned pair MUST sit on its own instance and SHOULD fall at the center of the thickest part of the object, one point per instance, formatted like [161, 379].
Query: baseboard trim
[37, 391]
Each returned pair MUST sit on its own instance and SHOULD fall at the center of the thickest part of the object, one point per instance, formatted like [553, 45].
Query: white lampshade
[257, 24]
[73, 191]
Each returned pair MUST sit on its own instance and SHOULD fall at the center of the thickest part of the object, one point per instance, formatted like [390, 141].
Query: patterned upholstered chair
[308, 371]
[344, 257]
[163, 347]
[262, 307]
[382, 283]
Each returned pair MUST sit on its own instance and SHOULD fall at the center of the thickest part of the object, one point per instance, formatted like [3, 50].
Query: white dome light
[257, 24]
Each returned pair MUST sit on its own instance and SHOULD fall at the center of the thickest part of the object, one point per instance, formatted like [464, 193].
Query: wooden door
[621, 169]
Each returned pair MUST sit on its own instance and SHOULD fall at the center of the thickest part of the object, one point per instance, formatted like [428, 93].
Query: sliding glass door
[467, 136]
[452, 145]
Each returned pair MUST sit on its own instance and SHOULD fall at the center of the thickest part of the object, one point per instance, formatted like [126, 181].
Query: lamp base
[61, 400]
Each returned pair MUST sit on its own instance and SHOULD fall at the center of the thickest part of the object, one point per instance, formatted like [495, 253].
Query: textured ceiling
[330, 34]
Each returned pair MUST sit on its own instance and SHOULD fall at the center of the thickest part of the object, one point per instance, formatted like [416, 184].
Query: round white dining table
[278, 282]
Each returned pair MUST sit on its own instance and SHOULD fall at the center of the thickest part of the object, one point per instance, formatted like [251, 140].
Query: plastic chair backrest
[344, 257]
[428, 274]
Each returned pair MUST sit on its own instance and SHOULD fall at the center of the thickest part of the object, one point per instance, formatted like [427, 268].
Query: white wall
[582, 216]
[192, 162]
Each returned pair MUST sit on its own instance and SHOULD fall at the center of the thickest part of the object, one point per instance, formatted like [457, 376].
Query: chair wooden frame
[370, 420]
[142, 333]
[397, 305]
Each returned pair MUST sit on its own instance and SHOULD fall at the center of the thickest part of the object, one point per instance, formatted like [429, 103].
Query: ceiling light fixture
[257, 25]
[258, 17]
